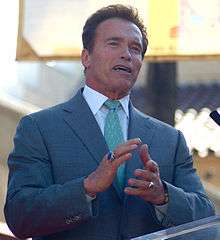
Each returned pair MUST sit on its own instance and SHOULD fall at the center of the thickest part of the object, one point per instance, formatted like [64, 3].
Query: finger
[152, 166]
[118, 161]
[123, 149]
[138, 183]
[134, 191]
[144, 155]
[146, 159]
[134, 141]
[147, 175]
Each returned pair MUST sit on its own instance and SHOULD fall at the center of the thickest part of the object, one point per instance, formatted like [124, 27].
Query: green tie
[114, 135]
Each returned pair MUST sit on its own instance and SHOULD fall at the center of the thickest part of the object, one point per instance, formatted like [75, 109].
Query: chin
[123, 90]
[127, 85]
[122, 85]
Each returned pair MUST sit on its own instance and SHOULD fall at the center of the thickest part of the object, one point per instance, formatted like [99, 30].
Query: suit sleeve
[187, 198]
[35, 206]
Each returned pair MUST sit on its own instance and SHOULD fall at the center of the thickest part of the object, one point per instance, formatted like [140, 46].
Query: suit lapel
[81, 120]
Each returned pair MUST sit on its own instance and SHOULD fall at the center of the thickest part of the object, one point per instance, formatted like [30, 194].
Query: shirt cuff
[161, 211]
[89, 201]
[89, 198]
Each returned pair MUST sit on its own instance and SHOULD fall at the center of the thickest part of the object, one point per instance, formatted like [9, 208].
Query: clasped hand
[147, 184]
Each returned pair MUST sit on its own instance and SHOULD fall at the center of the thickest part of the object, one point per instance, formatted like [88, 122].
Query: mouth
[122, 69]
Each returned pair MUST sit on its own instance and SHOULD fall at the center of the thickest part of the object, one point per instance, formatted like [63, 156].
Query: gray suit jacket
[55, 149]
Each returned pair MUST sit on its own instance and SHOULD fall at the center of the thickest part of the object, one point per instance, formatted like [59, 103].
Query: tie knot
[112, 104]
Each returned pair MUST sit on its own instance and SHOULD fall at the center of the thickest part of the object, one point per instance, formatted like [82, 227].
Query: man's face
[113, 64]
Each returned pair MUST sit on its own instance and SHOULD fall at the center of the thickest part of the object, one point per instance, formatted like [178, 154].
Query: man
[64, 183]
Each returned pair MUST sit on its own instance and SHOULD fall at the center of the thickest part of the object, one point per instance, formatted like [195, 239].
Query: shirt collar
[96, 100]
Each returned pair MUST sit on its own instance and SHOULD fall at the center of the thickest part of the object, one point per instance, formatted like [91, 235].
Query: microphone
[215, 116]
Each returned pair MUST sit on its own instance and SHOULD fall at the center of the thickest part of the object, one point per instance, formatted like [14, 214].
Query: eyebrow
[113, 39]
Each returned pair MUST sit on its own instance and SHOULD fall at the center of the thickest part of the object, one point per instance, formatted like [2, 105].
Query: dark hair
[112, 11]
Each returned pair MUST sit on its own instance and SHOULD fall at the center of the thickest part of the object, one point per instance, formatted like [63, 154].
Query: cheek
[138, 66]
[103, 60]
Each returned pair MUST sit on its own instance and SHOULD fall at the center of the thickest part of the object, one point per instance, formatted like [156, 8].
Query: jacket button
[68, 221]
[76, 218]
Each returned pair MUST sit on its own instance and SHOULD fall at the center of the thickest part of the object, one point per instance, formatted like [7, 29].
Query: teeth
[122, 69]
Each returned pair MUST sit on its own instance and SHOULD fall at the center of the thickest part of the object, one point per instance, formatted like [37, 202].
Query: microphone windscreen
[215, 116]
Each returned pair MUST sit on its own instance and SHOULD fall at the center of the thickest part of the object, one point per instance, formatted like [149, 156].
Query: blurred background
[179, 82]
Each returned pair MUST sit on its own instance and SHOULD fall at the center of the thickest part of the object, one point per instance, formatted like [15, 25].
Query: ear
[85, 58]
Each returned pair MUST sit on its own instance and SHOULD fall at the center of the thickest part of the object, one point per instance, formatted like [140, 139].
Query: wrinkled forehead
[118, 27]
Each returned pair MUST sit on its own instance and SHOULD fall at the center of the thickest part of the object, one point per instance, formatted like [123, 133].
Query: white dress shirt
[96, 100]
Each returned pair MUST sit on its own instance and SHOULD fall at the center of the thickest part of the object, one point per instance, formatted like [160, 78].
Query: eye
[136, 49]
[113, 43]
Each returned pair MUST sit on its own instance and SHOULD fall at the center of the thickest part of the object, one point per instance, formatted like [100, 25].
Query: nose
[126, 55]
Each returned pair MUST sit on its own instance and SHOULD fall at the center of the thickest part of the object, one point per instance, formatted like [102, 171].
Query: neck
[109, 93]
